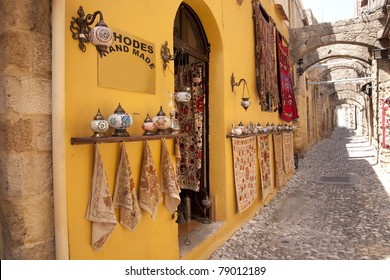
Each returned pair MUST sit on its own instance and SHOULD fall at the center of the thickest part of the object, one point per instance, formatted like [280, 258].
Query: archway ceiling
[339, 73]
[341, 87]
[346, 102]
[350, 96]
[361, 31]
[337, 51]
[355, 67]
[339, 100]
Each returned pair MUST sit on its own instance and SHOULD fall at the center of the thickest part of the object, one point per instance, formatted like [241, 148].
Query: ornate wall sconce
[299, 67]
[166, 55]
[100, 36]
[245, 103]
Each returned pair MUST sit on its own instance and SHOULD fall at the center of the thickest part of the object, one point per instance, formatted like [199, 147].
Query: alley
[336, 206]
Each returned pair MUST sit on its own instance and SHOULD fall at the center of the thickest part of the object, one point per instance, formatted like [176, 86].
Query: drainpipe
[58, 129]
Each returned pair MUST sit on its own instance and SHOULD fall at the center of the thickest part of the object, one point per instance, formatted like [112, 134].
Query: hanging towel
[125, 195]
[177, 151]
[100, 210]
[170, 186]
[266, 176]
[149, 189]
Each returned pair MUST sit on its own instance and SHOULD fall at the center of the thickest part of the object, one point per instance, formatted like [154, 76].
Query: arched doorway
[191, 74]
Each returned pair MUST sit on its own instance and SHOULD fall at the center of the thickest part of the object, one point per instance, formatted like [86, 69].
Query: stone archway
[359, 31]
[337, 51]
[355, 69]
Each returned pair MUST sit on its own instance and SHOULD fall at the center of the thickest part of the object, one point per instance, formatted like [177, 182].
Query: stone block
[19, 135]
[3, 140]
[39, 251]
[43, 134]
[30, 15]
[29, 234]
[16, 58]
[3, 95]
[26, 174]
[34, 97]
[41, 56]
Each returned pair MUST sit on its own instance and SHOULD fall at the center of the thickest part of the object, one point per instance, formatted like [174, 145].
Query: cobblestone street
[312, 218]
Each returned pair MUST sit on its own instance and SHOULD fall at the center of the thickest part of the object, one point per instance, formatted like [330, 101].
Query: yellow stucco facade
[229, 29]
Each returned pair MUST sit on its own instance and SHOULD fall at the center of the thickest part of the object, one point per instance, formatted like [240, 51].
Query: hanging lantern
[245, 103]
[120, 120]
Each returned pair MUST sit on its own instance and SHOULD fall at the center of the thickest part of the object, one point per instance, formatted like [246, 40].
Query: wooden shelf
[92, 140]
[257, 134]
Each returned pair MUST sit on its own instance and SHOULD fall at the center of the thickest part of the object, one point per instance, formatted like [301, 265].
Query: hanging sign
[129, 64]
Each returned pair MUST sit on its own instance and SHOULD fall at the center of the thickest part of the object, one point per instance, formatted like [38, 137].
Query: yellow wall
[229, 29]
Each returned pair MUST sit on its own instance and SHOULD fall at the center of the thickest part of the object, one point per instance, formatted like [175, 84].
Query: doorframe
[202, 56]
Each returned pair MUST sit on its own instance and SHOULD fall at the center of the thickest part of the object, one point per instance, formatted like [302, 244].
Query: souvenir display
[244, 162]
[273, 127]
[175, 126]
[125, 194]
[288, 152]
[232, 131]
[149, 126]
[289, 108]
[162, 122]
[237, 131]
[190, 116]
[99, 125]
[263, 145]
[266, 75]
[241, 126]
[278, 159]
[259, 128]
[120, 120]
[149, 192]
[100, 210]
[169, 184]
[183, 95]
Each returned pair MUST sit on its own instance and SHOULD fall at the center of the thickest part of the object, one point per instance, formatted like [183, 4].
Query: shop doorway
[191, 75]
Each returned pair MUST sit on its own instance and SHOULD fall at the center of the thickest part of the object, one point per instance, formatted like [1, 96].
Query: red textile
[289, 107]
[266, 75]
[190, 116]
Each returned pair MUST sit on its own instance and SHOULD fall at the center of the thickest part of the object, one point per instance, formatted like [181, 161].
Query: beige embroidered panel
[244, 162]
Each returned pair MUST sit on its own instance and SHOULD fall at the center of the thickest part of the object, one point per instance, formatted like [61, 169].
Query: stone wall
[26, 190]
[362, 31]
[383, 88]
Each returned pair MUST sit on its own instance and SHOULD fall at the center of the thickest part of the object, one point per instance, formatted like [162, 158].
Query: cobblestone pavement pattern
[311, 220]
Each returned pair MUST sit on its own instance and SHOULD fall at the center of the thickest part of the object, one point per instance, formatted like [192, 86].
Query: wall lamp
[381, 53]
[100, 36]
[300, 67]
[166, 55]
[245, 103]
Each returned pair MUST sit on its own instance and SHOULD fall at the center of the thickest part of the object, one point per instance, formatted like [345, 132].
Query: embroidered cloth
[125, 194]
[278, 152]
[169, 186]
[100, 210]
[244, 162]
[190, 117]
[288, 152]
[289, 108]
[266, 75]
[149, 193]
[265, 166]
